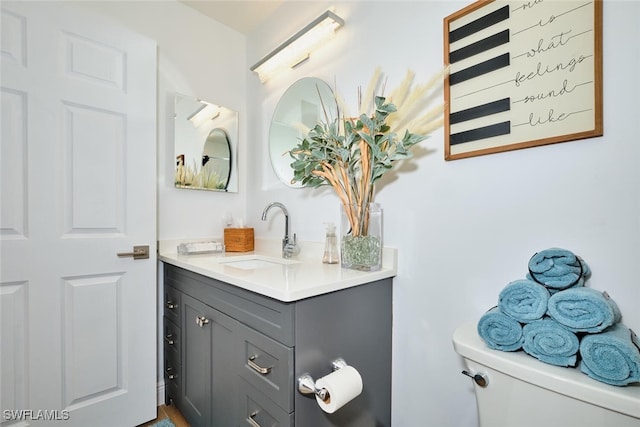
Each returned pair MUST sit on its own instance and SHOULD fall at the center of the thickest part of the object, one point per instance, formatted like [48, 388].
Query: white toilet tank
[521, 391]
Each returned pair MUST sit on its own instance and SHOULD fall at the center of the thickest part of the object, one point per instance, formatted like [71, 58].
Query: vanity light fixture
[206, 111]
[298, 47]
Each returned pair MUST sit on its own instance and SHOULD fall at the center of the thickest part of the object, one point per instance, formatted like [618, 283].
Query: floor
[170, 412]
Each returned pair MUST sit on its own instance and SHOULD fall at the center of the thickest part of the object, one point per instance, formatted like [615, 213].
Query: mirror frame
[192, 130]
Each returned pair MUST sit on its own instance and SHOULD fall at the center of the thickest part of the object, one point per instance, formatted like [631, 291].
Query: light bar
[298, 47]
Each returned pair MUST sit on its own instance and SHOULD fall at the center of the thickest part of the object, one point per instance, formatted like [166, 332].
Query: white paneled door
[78, 159]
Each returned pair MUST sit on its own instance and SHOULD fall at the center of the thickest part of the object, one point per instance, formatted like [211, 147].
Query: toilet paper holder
[307, 385]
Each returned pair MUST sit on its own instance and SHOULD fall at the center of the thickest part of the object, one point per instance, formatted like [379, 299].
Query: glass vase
[361, 238]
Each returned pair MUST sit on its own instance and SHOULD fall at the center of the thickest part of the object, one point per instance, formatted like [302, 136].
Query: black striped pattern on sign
[480, 111]
[477, 70]
[479, 24]
[490, 42]
[497, 129]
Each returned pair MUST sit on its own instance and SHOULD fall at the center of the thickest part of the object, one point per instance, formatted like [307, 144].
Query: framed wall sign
[522, 74]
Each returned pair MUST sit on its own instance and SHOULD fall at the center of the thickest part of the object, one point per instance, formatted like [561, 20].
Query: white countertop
[285, 280]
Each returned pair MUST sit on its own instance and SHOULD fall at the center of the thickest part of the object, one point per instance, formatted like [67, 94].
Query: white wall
[464, 228]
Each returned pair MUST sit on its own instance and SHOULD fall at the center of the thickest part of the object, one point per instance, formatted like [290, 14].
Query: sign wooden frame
[522, 74]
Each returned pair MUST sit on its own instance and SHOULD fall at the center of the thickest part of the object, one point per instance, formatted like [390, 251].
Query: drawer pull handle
[169, 339]
[259, 369]
[252, 421]
[201, 321]
[169, 373]
[171, 305]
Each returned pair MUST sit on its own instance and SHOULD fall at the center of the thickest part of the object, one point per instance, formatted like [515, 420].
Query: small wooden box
[238, 239]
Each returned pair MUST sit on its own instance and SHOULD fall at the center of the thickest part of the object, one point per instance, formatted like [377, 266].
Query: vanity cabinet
[232, 357]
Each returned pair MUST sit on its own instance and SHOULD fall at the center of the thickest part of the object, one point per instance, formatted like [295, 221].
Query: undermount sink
[253, 262]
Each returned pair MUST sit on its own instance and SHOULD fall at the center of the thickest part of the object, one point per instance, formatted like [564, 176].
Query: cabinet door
[209, 347]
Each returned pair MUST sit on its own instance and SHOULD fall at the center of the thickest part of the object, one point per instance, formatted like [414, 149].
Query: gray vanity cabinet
[233, 356]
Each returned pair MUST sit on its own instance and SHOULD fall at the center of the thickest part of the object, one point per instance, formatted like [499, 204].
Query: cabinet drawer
[268, 366]
[171, 338]
[258, 410]
[172, 383]
[172, 368]
[172, 394]
[172, 304]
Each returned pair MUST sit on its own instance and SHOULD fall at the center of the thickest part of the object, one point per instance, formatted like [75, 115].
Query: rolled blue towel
[558, 269]
[552, 291]
[612, 356]
[500, 331]
[524, 300]
[584, 309]
[550, 342]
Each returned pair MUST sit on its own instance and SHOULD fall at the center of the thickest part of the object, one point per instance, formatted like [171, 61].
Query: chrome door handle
[259, 369]
[169, 339]
[171, 305]
[139, 252]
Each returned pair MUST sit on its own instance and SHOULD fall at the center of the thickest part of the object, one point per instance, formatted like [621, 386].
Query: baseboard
[160, 396]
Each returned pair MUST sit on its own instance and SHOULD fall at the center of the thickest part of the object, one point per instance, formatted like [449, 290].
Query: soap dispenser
[331, 246]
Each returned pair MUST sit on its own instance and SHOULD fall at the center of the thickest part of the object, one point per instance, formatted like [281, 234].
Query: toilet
[520, 391]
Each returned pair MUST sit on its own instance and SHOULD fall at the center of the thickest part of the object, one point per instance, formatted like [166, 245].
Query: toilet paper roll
[342, 386]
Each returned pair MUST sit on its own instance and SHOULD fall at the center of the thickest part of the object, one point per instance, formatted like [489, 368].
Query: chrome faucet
[289, 246]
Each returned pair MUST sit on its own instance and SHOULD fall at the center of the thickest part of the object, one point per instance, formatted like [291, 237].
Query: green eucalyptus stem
[351, 155]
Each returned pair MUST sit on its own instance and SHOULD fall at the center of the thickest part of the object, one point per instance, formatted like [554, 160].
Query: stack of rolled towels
[553, 317]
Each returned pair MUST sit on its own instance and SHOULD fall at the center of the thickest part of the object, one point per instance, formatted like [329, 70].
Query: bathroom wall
[464, 228]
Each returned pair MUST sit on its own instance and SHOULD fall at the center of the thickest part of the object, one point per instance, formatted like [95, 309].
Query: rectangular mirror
[206, 141]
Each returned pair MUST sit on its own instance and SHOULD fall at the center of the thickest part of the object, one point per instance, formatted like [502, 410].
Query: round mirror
[302, 106]
[216, 161]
